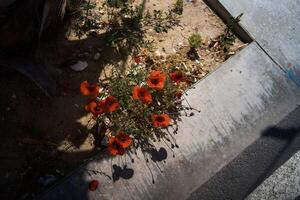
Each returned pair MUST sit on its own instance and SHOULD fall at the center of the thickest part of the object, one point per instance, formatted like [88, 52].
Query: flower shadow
[122, 172]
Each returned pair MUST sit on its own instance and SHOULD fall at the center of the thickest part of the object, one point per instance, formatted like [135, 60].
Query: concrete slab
[274, 24]
[283, 184]
[237, 101]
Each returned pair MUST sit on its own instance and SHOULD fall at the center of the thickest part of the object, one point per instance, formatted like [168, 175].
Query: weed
[195, 41]
[178, 7]
[85, 18]
[227, 39]
[162, 21]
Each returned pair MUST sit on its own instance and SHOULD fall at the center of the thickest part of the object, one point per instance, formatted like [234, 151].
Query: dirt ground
[43, 135]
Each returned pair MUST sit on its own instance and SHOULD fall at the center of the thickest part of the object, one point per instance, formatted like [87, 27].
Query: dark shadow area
[121, 172]
[256, 163]
[158, 155]
[41, 135]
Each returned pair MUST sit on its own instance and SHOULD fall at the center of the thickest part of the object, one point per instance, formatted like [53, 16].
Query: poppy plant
[123, 139]
[111, 104]
[177, 76]
[89, 89]
[156, 80]
[114, 147]
[162, 120]
[96, 107]
[142, 94]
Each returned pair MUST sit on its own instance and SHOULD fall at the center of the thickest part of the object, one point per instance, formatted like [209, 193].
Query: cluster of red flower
[118, 144]
[155, 81]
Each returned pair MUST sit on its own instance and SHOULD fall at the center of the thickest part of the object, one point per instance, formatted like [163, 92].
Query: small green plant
[85, 18]
[116, 3]
[227, 39]
[125, 28]
[178, 7]
[195, 41]
[162, 21]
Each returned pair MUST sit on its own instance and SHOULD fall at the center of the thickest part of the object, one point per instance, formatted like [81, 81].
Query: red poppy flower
[114, 147]
[111, 104]
[88, 89]
[96, 107]
[162, 120]
[93, 185]
[142, 94]
[177, 76]
[156, 80]
[123, 139]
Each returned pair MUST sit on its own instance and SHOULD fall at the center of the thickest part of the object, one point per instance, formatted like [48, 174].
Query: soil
[43, 135]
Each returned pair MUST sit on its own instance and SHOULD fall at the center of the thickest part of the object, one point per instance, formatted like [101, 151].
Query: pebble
[206, 41]
[46, 180]
[59, 71]
[6, 175]
[104, 141]
[60, 172]
[79, 66]
[97, 56]
[157, 52]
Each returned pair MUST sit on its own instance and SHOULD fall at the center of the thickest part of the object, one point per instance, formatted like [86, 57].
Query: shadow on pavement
[256, 163]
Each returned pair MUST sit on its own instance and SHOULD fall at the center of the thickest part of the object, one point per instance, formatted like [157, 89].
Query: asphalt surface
[256, 163]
